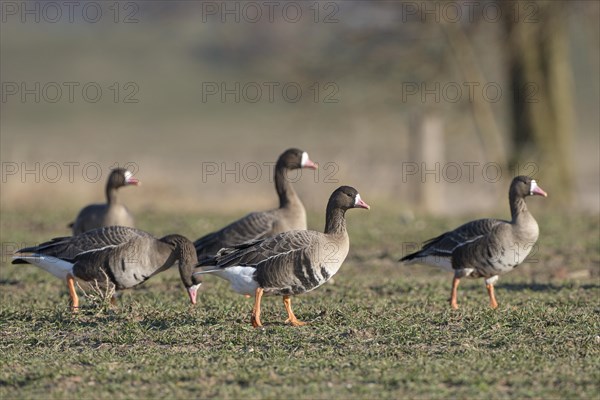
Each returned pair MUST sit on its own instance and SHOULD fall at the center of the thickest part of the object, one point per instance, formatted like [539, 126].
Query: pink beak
[539, 191]
[310, 164]
[362, 204]
[192, 293]
[133, 181]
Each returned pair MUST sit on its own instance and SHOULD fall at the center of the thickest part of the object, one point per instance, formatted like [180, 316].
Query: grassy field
[380, 330]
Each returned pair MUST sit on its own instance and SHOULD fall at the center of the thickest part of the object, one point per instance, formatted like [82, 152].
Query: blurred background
[425, 107]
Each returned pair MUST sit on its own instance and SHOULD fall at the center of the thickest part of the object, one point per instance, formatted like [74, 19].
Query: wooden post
[427, 146]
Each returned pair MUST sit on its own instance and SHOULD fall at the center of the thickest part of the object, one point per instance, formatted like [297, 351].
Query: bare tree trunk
[540, 77]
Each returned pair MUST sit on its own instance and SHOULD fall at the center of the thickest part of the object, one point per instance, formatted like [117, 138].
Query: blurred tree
[540, 77]
[487, 127]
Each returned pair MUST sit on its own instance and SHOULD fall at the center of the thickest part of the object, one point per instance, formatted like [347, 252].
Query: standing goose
[109, 214]
[126, 256]
[258, 225]
[289, 263]
[485, 248]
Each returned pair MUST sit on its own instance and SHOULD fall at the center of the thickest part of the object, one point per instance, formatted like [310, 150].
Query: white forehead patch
[357, 199]
[128, 175]
[532, 187]
[304, 159]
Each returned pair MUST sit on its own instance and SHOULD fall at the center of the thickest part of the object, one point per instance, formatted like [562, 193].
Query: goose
[290, 215]
[485, 248]
[289, 263]
[112, 213]
[125, 256]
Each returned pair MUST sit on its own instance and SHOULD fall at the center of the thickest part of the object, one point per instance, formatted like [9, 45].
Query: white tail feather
[435, 261]
[57, 267]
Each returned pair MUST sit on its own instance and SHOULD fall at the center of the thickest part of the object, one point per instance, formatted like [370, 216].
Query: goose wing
[279, 249]
[447, 243]
[252, 227]
[71, 248]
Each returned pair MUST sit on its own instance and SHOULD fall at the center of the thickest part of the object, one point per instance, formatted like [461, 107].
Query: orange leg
[453, 294]
[291, 317]
[490, 290]
[72, 293]
[256, 310]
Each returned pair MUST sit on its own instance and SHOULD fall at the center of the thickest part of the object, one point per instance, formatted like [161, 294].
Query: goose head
[523, 186]
[346, 197]
[294, 159]
[186, 258]
[121, 177]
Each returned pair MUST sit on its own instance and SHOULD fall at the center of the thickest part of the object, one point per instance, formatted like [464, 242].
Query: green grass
[380, 330]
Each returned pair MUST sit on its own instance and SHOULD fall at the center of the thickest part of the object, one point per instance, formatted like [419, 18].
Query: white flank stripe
[467, 242]
[100, 249]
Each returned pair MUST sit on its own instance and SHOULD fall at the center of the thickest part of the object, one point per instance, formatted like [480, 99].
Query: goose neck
[335, 220]
[285, 191]
[518, 208]
[111, 194]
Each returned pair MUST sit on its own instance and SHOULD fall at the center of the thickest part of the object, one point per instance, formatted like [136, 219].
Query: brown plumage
[289, 263]
[125, 256]
[485, 248]
[112, 213]
[290, 215]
